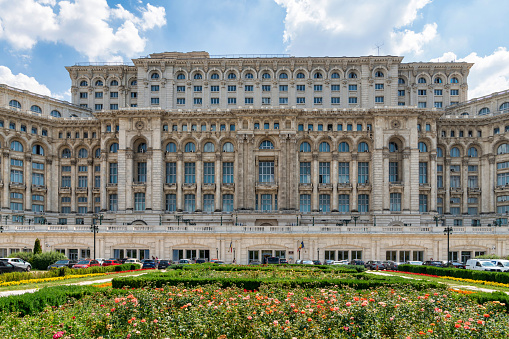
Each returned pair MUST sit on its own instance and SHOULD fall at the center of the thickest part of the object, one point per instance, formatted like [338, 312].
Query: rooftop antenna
[377, 46]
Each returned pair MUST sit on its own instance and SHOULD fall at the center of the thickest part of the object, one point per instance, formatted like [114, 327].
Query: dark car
[393, 265]
[62, 263]
[86, 264]
[272, 260]
[6, 267]
[378, 265]
[200, 261]
[357, 262]
[150, 264]
[254, 262]
[317, 262]
[434, 263]
[163, 264]
[457, 265]
[283, 261]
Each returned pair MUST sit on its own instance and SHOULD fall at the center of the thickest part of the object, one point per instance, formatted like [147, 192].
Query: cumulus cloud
[489, 74]
[22, 81]
[89, 26]
[354, 26]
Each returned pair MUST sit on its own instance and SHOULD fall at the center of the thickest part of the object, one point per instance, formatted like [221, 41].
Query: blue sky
[39, 37]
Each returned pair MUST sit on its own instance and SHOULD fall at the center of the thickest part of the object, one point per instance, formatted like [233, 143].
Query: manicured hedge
[483, 297]
[500, 277]
[295, 268]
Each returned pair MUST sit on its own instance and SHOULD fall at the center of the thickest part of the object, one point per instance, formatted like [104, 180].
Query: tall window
[227, 172]
[82, 181]
[423, 173]
[208, 172]
[266, 202]
[113, 173]
[305, 173]
[139, 201]
[363, 203]
[266, 171]
[227, 202]
[324, 172]
[363, 172]
[208, 203]
[189, 202]
[324, 147]
[324, 202]
[395, 202]
[393, 172]
[344, 172]
[305, 147]
[66, 181]
[171, 173]
[38, 179]
[305, 202]
[171, 202]
[142, 172]
[113, 203]
[189, 173]
[344, 203]
[455, 181]
[423, 203]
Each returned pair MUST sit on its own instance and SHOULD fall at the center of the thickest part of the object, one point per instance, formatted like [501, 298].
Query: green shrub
[500, 277]
[37, 247]
[42, 260]
[27, 256]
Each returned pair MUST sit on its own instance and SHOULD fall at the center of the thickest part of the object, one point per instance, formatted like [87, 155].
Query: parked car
[298, 262]
[502, 264]
[163, 264]
[456, 265]
[18, 262]
[317, 262]
[434, 263]
[150, 264]
[100, 260]
[378, 265]
[86, 264]
[307, 262]
[340, 262]
[367, 264]
[414, 262]
[328, 262]
[200, 261]
[219, 262]
[132, 261]
[272, 260]
[393, 265]
[184, 262]
[357, 262]
[254, 262]
[6, 267]
[283, 261]
[482, 265]
[62, 263]
[110, 263]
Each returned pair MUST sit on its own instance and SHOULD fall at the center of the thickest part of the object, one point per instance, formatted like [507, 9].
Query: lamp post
[178, 217]
[217, 253]
[496, 223]
[6, 218]
[448, 231]
[435, 219]
[95, 229]
[1, 229]
[355, 217]
[318, 254]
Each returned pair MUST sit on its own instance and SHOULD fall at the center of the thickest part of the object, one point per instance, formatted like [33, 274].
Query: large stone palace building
[186, 155]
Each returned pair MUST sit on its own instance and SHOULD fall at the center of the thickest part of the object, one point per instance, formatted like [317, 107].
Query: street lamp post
[95, 229]
[496, 223]
[217, 253]
[355, 217]
[435, 219]
[448, 231]
[318, 254]
[1, 229]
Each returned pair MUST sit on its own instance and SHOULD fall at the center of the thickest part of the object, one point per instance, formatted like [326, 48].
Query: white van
[502, 264]
[482, 265]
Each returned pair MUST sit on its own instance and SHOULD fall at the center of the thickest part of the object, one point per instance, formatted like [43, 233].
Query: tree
[37, 247]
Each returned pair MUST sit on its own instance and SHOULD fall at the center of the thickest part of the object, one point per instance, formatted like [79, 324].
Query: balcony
[266, 186]
[425, 186]
[344, 185]
[474, 190]
[325, 186]
[396, 184]
[39, 188]
[82, 190]
[305, 186]
[111, 185]
[64, 190]
[170, 187]
[208, 187]
[228, 186]
[456, 190]
[17, 185]
[364, 186]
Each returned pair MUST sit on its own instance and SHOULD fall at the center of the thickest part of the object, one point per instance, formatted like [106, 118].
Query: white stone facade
[242, 156]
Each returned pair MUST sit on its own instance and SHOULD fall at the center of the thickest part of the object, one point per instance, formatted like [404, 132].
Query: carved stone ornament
[395, 124]
[139, 125]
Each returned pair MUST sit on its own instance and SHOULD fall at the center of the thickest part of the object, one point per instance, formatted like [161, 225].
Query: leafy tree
[37, 247]
[42, 260]
[27, 256]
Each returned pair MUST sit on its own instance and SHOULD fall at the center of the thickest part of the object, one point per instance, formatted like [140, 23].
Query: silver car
[18, 262]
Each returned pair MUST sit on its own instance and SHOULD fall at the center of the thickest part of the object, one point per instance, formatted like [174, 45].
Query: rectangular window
[197, 88]
[455, 210]
[232, 101]
[438, 92]
[401, 93]
[421, 92]
[171, 202]
[317, 88]
[98, 107]
[189, 203]
[317, 100]
[98, 95]
[472, 211]
[113, 202]
[134, 95]
[266, 200]
[455, 181]
[227, 202]
[421, 104]
[305, 202]
[379, 100]
[395, 202]
[208, 203]
[171, 173]
[179, 88]
[423, 203]
[335, 88]
[214, 101]
[352, 87]
[208, 172]
[142, 172]
[301, 100]
[214, 88]
[232, 88]
[454, 92]
[83, 95]
[154, 101]
[139, 201]
[301, 88]
[266, 171]
[283, 101]
[344, 172]
[440, 181]
[324, 173]
[17, 162]
[379, 86]
[82, 181]
[113, 173]
[227, 172]
[38, 179]
[283, 88]
[423, 173]
[363, 172]
[181, 101]
[113, 106]
[438, 104]
[305, 173]
[393, 172]
[335, 100]
[265, 101]
[197, 101]
[97, 181]
[265, 88]
[189, 173]
[248, 101]
[15, 195]
[248, 88]
[344, 203]
[324, 203]
[352, 100]
[363, 203]
[66, 181]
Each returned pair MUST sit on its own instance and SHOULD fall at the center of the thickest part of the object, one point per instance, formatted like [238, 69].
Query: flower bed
[481, 282]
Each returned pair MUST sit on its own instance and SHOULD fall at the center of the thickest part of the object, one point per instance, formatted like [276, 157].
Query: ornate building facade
[186, 155]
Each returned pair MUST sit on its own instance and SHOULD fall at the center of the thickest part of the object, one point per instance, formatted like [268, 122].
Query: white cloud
[354, 27]
[489, 74]
[22, 81]
[89, 26]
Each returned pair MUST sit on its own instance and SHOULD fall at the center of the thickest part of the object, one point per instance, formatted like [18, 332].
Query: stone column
[353, 181]
[55, 184]
[493, 184]
[487, 186]
[127, 179]
[314, 173]
[150, 184]
[73, 185]
[180, 174]
[27, 168]
[432, 181]
[238, 171]
[49, 173]
[386, 195]
[157, 179]
[447, 180]
[464, 185]
[335, 177]
[104, 180]
[199, 182]
[217, 179]
[282, 171]
[7, 180]
[90, 184]
[406, 180]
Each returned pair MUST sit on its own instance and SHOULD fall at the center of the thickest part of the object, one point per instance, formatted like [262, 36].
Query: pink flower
[155, 321]
[348, 304]
[59, 334]
[249, 317]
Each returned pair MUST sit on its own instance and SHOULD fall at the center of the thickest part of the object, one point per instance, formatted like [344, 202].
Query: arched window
[334, 75]
[181, 76]
[266, 144]
[142, 148]
[66, 153]
[318, 75]
[114, 83]
[464, 113]
[472, 152]
[99, 83]
[484, 110]
[232, 75]
[455, 152]
[56, 114]
[454, 80]
[266, 75]
[16, 146]
[401, 81]
[249, 75]
[379, 74]
[83, 153]
[190, 147]
[214, 76]
[440, 152]
[324, 147]
[423, 148]
[114, 147]
[283, 75]
[154, 75]
[171, 147]
[343, 147]
[209, 147]
[502, 149]
[438, 80]
[352, 75]
[134, 83]
[228, 147]
[197, 76]
[37, 150]
[14, 104]
[300, 75]
[504, 106]
[98, 153]
[421, 80]
[305, 147]
[363, 147]
[36, 109]
[393, 147]
[83, 83]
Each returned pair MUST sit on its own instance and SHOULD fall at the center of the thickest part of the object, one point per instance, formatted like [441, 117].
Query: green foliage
[500, 277]
[488, 256]
[37, 247]
[27, 256]
[42, 260]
